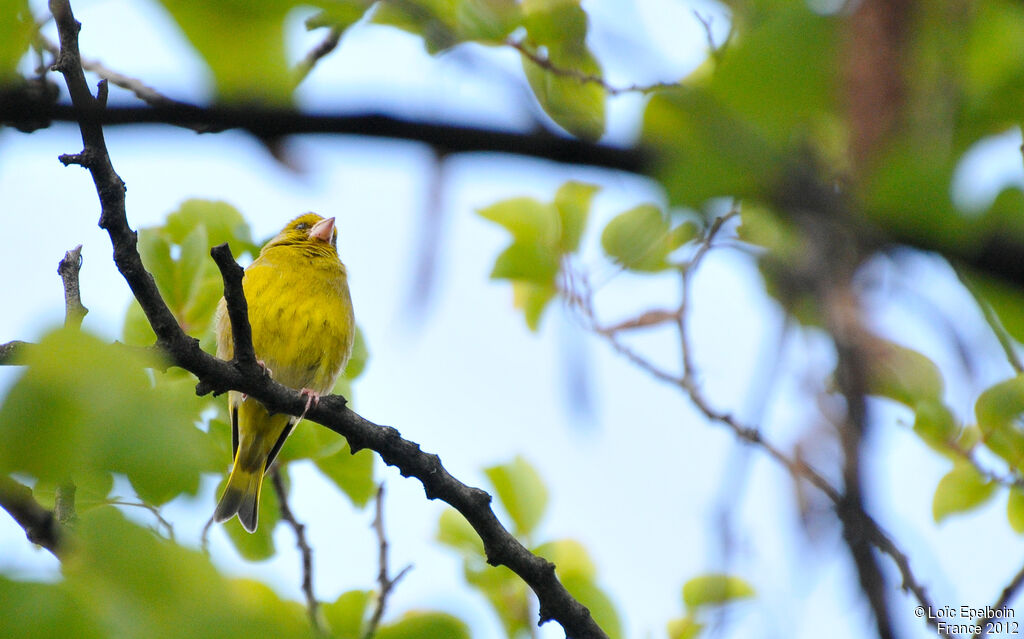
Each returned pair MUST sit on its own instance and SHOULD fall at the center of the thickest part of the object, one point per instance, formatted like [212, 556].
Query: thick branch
[474, 504]
[269, 122]
[40, 524]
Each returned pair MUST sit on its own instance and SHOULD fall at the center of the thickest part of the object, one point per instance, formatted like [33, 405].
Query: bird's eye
[301, 226]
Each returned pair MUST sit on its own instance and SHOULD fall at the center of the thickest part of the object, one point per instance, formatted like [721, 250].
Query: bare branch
[74, 311]
[312, 605]
[40, 525]
[384, 582]
[545, 63]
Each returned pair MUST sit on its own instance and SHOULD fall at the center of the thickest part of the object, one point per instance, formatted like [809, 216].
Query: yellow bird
[302, 331]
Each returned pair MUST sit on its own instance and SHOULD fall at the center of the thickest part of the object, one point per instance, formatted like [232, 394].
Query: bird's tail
[241, 496]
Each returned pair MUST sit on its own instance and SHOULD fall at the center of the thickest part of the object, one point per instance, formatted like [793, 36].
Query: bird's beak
[323, 230]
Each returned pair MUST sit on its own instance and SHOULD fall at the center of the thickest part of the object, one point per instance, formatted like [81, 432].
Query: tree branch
[215, 375]
[312, 605]
[68, 268]
[1008, 593]
[270, 122]
[40, 524]
[385, 582]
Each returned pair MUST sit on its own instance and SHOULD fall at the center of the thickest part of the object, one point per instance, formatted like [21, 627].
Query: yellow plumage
[302, 331]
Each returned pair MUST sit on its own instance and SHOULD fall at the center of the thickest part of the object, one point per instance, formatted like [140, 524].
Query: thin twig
[312, 604]
[385, 583]
[1009, 348]
[68, 269]
[151, 508]
[545, 63]
[317, 53]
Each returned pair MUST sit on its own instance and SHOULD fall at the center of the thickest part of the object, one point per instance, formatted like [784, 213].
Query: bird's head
[308, 231]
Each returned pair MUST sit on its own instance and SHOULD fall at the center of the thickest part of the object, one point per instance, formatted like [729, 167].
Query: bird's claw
[312, 400]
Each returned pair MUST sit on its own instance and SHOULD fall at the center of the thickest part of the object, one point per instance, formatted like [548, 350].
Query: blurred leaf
[1006, 300]
[434, 20]
[91, 490]
[573, 101]
[639, 239]
[1015, 509]
[997, 410]
[242, 43]
[105, 417]
[532, 299]
[530, 221]
[597, 601]
[715, 590]
[139, 585]
[340, 14]
[527, 262]
[521, 491]
[901, 373]
[346, 614]
[507, 594]
[360, 355]
[454, 531]
[44, 611]
[960, 490]
[570, 558]
[705, 151]
[418, 625]
[353, 474]
[572, 200]
[684, 628]
[222, 222]
[259, 545]
[780, 75]
[486, 21]
[16, 32]
[935, 424]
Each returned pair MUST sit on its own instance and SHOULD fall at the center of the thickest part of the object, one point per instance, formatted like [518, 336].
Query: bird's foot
[312, 399]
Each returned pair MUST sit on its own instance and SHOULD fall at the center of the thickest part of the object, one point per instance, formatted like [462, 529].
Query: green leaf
[960, 490]
[360, 355]
[223, 223]
[434, 20]
[533, 263]
[935, 424]
[1015, 509]
[454, 531]
[353, 474]
[639, 239]
[901, 373]
[507, 594]
[601, 607]
[715, 590]
[533, 300]
[139, 585]
[573, 203]
[530, 221]
[109, 420]
[346, 614]
[780, 75]
[16, 32]
[571, 559]
[486, 21]
[997, 410]
[521, 491]
[1007, 301]
[418, 625]
[259, 545]
[574, 98]
[242, 44]
[684, 628]
[44, 611]
[706, 151]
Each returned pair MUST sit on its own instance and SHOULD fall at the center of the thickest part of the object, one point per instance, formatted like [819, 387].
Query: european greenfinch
[302, 332]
